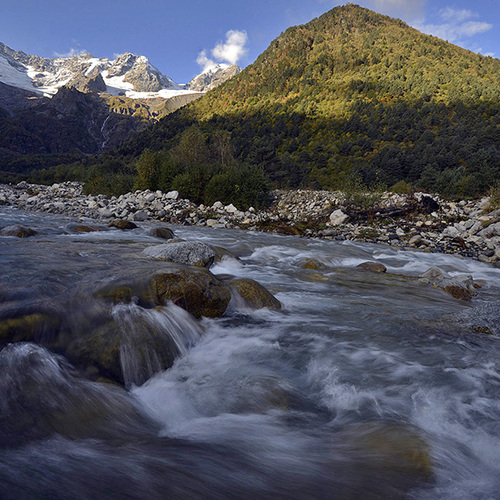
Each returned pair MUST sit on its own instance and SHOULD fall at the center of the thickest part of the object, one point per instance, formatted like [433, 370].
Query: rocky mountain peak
[213, 77]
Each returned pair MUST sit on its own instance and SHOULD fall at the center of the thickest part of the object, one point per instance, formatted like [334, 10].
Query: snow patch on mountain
[15, 74]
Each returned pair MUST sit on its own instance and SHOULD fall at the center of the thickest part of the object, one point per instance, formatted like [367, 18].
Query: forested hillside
[351, 98]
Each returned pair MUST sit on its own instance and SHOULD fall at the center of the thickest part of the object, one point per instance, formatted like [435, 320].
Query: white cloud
[71, 53]
[456, 25]
[205, 63]
[229, 52]
[449, 14]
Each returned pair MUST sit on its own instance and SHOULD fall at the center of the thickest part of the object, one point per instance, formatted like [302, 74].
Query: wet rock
[122, 224]
[85, 228]
[194, 253]
[433, 273]
[460, 287]
[312, 264]
[375, 267]
[17, 231]
[30, 327]
[162, 232]
[126, 354]
[195, 290]
[254, 294]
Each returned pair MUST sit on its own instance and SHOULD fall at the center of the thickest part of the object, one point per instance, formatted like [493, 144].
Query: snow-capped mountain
[213, 77]
[129, 75]
[84, 104]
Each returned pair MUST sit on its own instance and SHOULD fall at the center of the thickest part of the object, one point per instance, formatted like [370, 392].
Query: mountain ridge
[355, 98]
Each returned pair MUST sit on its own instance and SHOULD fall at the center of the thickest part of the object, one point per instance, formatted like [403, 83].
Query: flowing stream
[364, 385]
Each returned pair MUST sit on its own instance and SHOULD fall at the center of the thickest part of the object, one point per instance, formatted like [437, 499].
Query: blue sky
[181, 37]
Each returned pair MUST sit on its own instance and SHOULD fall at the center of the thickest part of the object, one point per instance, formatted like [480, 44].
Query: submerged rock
[122, 224]
[17, 231]
[85, 228]
[162, 232]
[194, 253]
[313, 264]
[41, 396]
[375, 267]
[392, 453]
[254, 294]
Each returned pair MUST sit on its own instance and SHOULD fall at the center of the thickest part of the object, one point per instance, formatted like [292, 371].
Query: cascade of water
[152, 338]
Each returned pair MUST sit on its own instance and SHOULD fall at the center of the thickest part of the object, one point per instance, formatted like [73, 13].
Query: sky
[183, 38]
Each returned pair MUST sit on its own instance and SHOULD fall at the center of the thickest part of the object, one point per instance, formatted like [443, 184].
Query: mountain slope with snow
[130, 75]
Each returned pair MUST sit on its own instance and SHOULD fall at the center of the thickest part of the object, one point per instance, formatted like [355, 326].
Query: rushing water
[362, 386]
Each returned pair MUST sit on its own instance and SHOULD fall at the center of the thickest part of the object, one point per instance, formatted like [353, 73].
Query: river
[363, 385]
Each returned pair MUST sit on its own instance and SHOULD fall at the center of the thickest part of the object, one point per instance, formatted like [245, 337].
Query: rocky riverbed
[411, 221]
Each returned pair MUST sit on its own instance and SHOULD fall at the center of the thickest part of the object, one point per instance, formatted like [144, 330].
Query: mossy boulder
[312, 264]
[122, 224]
[254, 294]
[29, 327]
[17, 231]
[196, 290]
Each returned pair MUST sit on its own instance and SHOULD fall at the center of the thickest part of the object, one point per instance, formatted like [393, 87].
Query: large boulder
[17, 231]
[128, 355]
[196, 290]
[193, 253]
[254, 294]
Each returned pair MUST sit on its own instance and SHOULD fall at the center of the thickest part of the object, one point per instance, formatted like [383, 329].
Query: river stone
[338, 217]
[255, 295]
[17, 231]
[162, 232]
[84, 228]
[460, 287]
[197, 291]
[194, 253]
[375, 267]
[433, 273]
[122, 224]
[313, 264]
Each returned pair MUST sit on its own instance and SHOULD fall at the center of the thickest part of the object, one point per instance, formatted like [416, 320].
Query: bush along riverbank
[408, 221]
